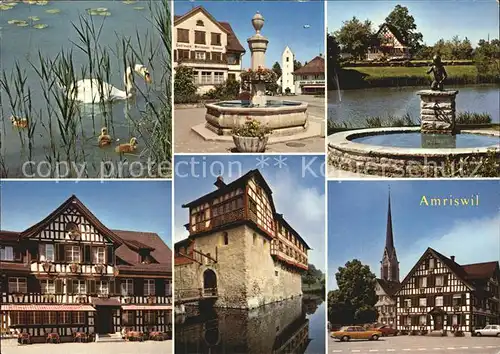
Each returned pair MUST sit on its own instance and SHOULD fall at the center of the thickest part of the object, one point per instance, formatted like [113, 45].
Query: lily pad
[34, 18]
[52, 11]
[15, 22]
[139, 8]
[22, 24]
[6, 7]
[40, 26]
[128, 2]
[42, 2]
[101, 9]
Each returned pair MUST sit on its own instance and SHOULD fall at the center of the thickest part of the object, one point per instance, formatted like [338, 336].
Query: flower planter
[250, 144]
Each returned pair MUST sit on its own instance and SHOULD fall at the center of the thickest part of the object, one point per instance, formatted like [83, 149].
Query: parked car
[490, 330]
[386, 330]
[355, 332]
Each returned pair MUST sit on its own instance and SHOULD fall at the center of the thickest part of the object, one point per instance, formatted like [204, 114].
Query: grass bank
[365, 77]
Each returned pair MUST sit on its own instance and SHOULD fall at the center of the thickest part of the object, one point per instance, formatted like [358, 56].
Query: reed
[67, 129]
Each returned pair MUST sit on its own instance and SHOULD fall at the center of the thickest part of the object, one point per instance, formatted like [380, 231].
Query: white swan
[88, 91]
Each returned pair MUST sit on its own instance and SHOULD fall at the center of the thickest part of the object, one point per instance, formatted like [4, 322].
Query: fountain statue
[286, 119]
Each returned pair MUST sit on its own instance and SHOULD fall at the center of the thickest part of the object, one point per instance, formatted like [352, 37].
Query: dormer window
[6, 253]
[98, 255]
[199, 23]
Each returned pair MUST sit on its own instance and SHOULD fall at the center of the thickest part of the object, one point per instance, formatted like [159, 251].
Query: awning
[103, 301]
[46, 308]
[146, 307]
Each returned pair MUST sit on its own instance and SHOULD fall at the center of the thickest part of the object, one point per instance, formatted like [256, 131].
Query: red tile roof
[233, 44]
[315, 66]
[160, 251]
[46, 308]
[480, 270]
[9, 235]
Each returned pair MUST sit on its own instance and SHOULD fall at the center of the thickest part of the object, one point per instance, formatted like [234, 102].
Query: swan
[87, 90]
[129, 147]
[104, 139]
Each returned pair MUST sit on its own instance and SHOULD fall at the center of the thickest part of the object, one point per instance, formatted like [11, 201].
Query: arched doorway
[209, 283]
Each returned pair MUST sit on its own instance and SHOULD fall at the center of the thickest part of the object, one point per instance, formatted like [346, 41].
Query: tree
[184, 86]
[354, 300]
[312, 275]
[355, 37]
[487, 58]
[332, 61]
[277, 69]
[401, 19]
[296, 65]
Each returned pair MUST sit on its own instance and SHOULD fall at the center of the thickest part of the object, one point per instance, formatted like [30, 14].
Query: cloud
[303, 207]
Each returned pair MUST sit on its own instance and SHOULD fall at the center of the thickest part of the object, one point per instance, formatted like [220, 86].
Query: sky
[284, 25]
[123, 205]
[474, 19]
[357, 219]
[297, 183]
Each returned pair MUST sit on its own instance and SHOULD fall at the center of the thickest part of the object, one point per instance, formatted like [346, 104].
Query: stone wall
[437, 111]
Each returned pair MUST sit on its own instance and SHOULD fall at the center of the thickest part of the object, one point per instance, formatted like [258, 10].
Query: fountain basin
[347, 152]
[281, 117]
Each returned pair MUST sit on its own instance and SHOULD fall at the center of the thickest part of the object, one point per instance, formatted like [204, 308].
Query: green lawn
[383, 72]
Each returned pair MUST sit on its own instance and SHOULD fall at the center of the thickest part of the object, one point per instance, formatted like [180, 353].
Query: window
[206, 77]
[182, 54]
[150, 317]
[431, 263]
[127, 287]
[457, 300]
[422, 302]
[72, 254]
[46, 252]
[64, 317]
[102, 287]
[439, 301]
[34, 317]
[149, 287]
[439, 280]
[168, 287]
[49, 317]
[199, 37]
[287, 59]
[422, 282]
[199, 23]
[422, 320]
[17, 285]
[233, 59]
[408, 320]
[98, 255]
[215, 39]
[17, 318]
[407, 302]
[79, 287]
[219, 79]
[217, 57]
[78, 317]
[200, 55]
[6, 253]
[48, 287]
[182, 35]
[276, 273]
[128, 318]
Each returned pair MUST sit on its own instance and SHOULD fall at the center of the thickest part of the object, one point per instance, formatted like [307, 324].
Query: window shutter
[33, 285]
[445, 281]
[60, 252]
[447, 300]
[112, 287]
[18, 256]
[463, 299]
[110, 255]
[59, 286]
[428, 320]
[69, 286]
[160, 287]
[430, 301]
[91, 286]
[87, 254]
[139, 287]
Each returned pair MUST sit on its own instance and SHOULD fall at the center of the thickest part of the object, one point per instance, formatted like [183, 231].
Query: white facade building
[208, 46]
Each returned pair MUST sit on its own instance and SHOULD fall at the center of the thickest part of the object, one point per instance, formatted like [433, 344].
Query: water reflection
[281, 328]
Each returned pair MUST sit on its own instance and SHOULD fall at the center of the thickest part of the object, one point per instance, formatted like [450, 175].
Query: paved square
[187, 141]
[148, 347]
[419, 344]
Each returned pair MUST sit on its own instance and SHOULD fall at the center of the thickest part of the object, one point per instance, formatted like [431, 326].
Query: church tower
[389, 269]
[287, 79]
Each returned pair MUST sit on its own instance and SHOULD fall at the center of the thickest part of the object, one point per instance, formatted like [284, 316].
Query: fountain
[287, 120]
[425, 151]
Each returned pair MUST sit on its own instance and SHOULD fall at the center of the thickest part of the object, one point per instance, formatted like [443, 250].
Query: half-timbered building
[439, 294]
[390, 44]
[70, 273]
[240, 251]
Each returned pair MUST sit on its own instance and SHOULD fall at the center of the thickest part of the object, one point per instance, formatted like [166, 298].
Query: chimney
[453, 258]
[219, 183]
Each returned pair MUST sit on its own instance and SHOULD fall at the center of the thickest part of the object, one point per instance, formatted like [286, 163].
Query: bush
[413, 333]
[459, 333]
[472, 118]
[251, 129]
[184, 85]
[229, 90]
[186, 99]
[287, 91]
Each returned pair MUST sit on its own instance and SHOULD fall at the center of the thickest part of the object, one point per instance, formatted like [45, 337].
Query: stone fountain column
[258, 46]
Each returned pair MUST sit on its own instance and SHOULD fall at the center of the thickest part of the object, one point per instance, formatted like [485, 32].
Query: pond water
[292, 326]
[55, 138]
[354, 106]
[418, 140]
[248, 104]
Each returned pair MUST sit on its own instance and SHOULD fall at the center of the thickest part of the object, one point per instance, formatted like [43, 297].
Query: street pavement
[148, 347]
[187, 141]
[419, 344]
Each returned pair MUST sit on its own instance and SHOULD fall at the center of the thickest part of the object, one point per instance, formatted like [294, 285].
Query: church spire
[389, 265]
